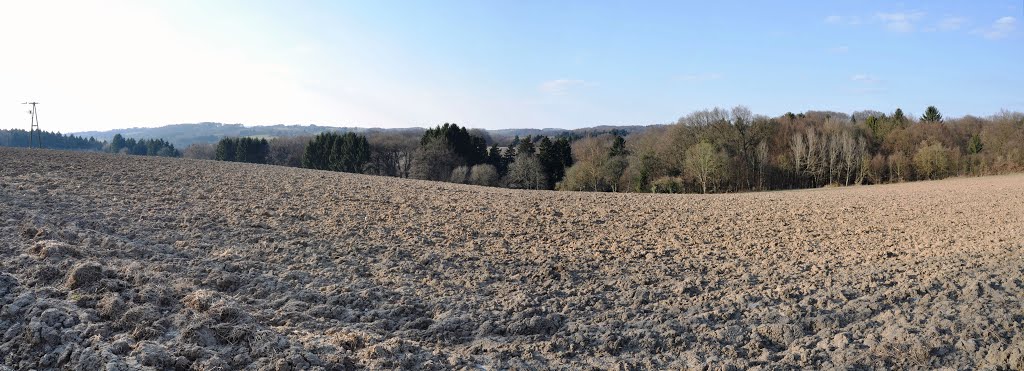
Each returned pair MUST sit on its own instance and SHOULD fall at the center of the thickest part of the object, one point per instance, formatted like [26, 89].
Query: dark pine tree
[931, 114]
[347, 152]
[226, 149]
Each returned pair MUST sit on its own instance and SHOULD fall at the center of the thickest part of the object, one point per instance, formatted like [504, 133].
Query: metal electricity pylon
[34, 129]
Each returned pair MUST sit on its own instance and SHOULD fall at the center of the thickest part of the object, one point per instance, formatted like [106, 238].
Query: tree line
[141, 147]
[720, 150]
[451, 153]
[245, 149]
[52, 140]
[447, 152]
[712, 150]
[119, 144]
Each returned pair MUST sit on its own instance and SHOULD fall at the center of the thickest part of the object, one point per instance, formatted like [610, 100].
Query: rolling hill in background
[182, 135]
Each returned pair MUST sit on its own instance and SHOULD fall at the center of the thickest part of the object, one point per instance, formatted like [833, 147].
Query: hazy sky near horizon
[97, 65]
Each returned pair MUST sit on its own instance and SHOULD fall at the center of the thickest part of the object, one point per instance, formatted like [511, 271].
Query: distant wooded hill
[182, 135]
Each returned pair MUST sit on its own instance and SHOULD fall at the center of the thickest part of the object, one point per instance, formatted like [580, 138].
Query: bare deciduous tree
[391, 154]
[931, 161]
[899, 167]
[202, 151]
[864, 160]
[583, 176]
[287, 151]
[850, 156]
[761, 159]
[704, 164]
[526, 172]
[799, 150]
[460, 175]
[483, 174]
[833, 155]
[813, 158]
[434, 161]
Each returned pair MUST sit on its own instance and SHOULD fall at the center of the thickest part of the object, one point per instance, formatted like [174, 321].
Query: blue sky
[489, 64]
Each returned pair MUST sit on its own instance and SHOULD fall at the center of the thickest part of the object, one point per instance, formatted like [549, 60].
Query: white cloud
[900, 22]
[865, 78]
[999, 29]
[834, 19]
[700, 77]
[561, 86]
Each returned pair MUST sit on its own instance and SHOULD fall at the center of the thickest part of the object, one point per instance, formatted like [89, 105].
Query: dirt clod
[84, 275]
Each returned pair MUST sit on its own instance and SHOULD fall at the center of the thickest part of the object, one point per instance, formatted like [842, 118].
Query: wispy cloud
[911, 21]
[864, 78]
[999, 29]
[700, 77]
[847, 20]
[561, 86]
[900, 21]
[865, 84]
[842, 49]
[903, 22]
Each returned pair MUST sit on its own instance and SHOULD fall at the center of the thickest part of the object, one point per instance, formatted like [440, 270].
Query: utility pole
[35, 126]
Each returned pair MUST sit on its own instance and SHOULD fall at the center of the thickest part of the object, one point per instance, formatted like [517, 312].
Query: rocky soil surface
[123, 262]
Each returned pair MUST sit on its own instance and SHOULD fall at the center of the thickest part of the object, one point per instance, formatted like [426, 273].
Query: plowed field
[127, 262]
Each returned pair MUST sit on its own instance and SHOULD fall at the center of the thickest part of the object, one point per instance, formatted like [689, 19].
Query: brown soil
[127, 262]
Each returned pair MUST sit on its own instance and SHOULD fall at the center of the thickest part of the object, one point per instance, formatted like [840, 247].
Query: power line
[34, 129]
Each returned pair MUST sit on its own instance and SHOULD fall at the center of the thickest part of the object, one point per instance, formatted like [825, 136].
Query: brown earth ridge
[122, 262]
